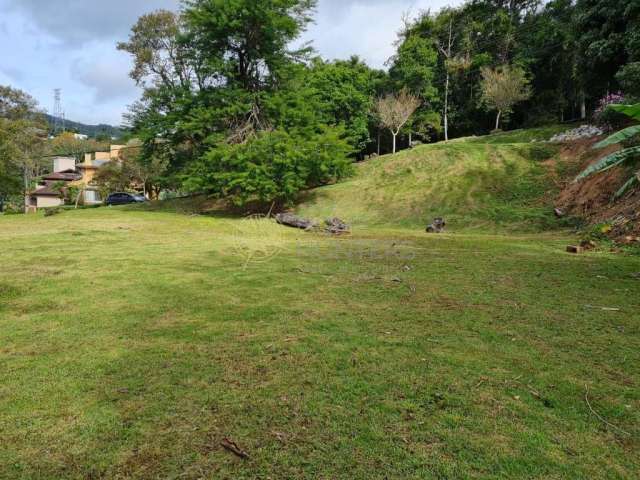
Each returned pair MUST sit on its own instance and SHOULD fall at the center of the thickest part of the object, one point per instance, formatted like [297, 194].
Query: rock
[294, 221]
[335, 226]
[588, 245]
[580, 133]
[575, 249]
[437, 226]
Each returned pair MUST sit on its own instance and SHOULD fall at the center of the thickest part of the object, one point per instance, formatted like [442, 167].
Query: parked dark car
[124, 199]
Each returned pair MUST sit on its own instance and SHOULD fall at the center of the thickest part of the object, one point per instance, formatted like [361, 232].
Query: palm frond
[633, 181]
[632, 111]
[610, 161]
[619, 137]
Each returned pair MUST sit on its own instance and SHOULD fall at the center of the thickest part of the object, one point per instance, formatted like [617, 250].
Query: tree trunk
[446, 110]
[583, 106]
[26, 190]
[394, 142]
[446, 94]
[498, 119]
[378, 142]
[410, 140]
[80, 193]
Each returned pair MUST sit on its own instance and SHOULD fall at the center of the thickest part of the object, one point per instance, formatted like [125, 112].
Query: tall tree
[22, 139]
[394, 111]
[607, 34]
[414, 68]
[504, 87]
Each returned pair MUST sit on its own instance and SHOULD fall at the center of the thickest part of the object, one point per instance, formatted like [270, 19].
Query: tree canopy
[235, 105]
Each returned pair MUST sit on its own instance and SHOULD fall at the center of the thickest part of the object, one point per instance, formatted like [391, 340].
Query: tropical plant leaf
[633, 181]
[619, 137]
[610, 161]
[632, 111]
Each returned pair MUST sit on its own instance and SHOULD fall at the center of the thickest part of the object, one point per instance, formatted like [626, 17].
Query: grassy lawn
[132, 343]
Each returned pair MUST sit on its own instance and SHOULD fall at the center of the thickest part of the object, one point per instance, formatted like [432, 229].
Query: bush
[50, 212]
[274, 166]
[629, 79]
[608, 118]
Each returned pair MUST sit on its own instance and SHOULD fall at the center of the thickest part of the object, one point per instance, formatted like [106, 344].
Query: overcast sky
[70, 44]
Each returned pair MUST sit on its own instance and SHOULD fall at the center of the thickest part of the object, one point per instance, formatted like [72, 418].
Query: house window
[91, 196]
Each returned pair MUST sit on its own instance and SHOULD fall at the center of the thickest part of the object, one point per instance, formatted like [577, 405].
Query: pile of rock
[335, 226]
[437, 226]
[580, 133]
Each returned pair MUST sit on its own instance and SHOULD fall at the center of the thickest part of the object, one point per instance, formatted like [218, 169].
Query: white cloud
[107, 76]
[70, 44]
[76, 21]
[367, 28]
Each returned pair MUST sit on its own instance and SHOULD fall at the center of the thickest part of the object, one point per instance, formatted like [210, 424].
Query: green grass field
[133, 342]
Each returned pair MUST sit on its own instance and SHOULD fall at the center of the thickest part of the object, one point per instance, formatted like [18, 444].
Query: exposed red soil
[591, 198]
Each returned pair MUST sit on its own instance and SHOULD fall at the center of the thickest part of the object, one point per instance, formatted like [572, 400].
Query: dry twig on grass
[598, 416]
[233, 447]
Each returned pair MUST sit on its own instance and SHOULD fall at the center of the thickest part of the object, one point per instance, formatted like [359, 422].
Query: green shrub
[629, 79]
[273, 167]
[50, 212]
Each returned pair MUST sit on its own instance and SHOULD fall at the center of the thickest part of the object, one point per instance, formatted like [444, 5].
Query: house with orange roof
[52, 188]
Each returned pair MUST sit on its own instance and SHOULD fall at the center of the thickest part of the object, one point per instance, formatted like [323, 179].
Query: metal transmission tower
[58, 113]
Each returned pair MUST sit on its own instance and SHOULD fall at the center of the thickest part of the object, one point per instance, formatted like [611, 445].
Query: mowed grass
[132, 343]
[496, 183]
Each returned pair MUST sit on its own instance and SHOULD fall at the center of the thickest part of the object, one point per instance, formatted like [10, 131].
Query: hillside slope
[90, 130]
[506, 181]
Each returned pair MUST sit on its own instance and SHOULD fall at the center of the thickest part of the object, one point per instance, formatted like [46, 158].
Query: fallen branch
[598, 416]
[604, 309]
[233, 447]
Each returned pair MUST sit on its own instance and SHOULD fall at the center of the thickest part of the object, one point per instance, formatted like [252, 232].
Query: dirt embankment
[591, 198]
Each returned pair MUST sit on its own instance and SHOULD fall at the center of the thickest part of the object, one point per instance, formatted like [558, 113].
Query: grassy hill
[495, 182]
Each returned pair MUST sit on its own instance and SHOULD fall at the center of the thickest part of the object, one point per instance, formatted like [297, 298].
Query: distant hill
[90, 130]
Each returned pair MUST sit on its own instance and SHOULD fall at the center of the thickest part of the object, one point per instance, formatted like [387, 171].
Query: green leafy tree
[504, 87]
[222, 85]
[342, 93]
[66, 144]
[414, 68]
[629, 79]
[272, 167]
[145, 170]
[22, 141]
[607, 38]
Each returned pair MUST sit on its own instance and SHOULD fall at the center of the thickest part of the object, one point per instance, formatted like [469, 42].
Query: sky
[70, 44]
